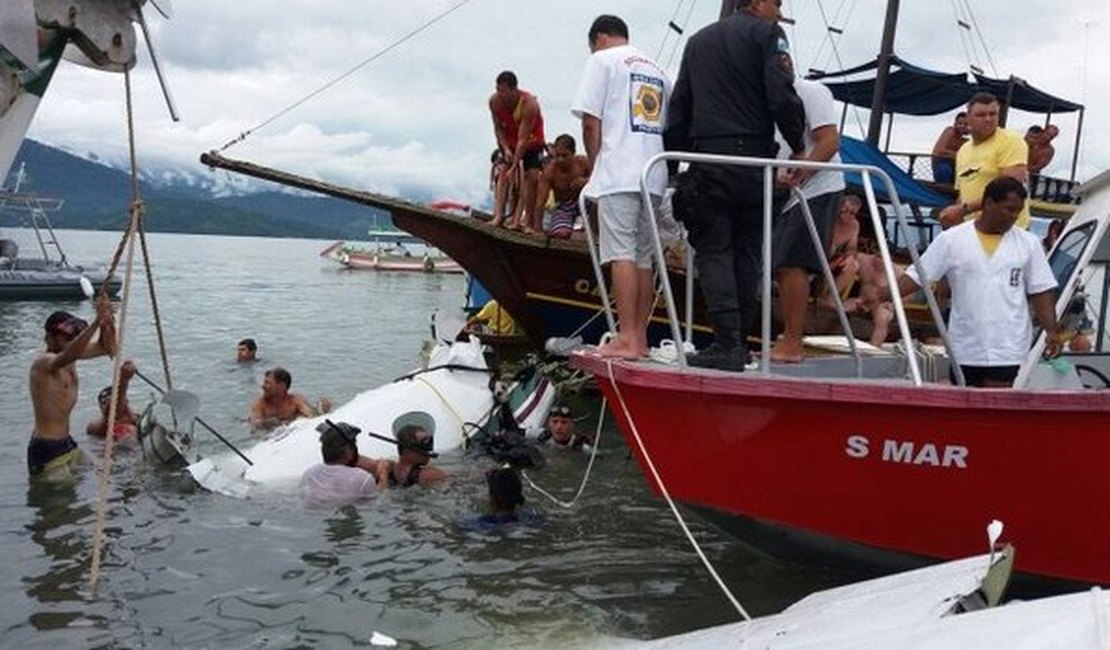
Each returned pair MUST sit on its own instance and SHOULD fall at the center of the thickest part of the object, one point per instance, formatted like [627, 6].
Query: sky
[415, 121]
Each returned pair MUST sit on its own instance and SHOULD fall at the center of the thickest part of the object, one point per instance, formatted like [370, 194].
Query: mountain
[98, 197]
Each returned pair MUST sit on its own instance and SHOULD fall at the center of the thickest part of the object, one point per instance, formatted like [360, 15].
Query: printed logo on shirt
[646, 109]
[1015, 277]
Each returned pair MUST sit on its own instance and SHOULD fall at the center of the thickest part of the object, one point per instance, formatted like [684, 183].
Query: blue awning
[913, 90]
[911, 192]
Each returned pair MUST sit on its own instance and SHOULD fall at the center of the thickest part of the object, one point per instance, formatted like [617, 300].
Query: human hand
[1053, 346]
[953, 215]
[323, 405]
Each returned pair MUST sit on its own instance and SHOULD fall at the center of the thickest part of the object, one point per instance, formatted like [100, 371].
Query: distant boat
[387, 251]
[52, 276]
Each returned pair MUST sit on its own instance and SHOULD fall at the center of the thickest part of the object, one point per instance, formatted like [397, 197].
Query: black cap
[416, 438]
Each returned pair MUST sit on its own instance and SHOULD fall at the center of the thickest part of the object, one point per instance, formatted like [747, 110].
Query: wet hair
[505, 489]
[408, 437]
[1002, 187]
[63, 322]
[507, 78]
[567, 141]
[333, 447]
[981, 98]
[249, 344]
[607, 24]
[282, 375]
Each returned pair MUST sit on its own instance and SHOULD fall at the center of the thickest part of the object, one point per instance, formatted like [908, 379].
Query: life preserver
[450, 206]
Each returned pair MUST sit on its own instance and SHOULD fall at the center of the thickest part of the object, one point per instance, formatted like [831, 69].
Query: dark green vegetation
[97, 197]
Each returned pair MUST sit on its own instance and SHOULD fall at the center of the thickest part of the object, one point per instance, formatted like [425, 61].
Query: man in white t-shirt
[794, 256]
[621, 101]
[344, 477]
[995, 272]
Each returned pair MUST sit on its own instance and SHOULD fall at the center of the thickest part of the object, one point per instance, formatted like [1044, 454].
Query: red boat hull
[912, 470]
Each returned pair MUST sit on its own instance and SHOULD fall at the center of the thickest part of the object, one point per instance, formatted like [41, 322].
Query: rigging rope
[134, 227]
[585, 476]
[667, 496]
[979, 33]
[839, 62]
[245, 134]
[960, 33]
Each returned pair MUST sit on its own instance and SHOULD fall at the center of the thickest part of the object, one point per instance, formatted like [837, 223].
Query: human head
[982, 116]
[506, 85]
[1050, 132]
[960, 123]
[338, 443]
[61, 328]
[505, 489]
[1003, 200]
[246, 350]
[564, 147]
[850, 206]
[607, 31]
[560, 422]
[276, 382]
[765, 9]
[415, 443]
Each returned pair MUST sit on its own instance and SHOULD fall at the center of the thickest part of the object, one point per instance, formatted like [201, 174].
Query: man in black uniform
[734, 86]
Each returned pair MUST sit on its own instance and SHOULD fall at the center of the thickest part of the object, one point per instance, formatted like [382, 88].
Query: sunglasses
[560, 410]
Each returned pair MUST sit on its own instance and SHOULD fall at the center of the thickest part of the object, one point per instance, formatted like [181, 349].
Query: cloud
[415, 120]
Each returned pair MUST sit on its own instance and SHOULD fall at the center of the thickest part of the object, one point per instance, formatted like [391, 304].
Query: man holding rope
[52, 452]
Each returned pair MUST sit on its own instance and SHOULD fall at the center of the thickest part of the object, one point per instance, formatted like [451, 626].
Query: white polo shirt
[990, 323]
[337, 484]
[628, 92]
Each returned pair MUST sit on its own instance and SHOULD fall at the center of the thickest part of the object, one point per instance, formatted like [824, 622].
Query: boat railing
[769, 167]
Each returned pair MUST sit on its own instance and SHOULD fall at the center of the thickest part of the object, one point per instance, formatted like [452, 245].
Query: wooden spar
[214, 159]
[886, 55]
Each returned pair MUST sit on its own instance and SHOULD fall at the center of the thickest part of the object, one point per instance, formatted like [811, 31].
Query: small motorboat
[50, 277]
[389, 251]
[456, 390]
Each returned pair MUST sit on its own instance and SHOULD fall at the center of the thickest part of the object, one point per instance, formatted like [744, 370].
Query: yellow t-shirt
[979, 164]
[988, 241]
[500, 322]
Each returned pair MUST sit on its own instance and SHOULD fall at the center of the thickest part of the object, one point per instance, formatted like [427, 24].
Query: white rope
[585, 477]
[109, 438]
[840, 62]
[667, 496]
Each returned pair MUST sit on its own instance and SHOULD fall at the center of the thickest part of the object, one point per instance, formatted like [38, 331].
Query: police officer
[734, 86]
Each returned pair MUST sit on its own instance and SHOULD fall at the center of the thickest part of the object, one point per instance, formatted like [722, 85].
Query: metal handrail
[769, 165]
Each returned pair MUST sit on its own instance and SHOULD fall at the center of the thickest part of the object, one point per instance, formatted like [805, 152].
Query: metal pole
[765, 329]
[886, 54]
[1078, 135]
[661, 260]
[603, 293]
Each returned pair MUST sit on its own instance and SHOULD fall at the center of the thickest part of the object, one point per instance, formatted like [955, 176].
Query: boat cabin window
[1068, 251]
[1098, 289]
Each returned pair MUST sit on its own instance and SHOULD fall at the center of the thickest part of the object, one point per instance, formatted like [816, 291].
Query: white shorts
[625, 232]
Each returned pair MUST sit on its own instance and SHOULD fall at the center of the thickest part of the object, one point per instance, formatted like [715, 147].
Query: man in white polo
[996, 271]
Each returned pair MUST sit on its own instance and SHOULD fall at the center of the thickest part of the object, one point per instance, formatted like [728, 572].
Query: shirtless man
[565, 175]
[278, 406]
[1041, 150]
[843, 246]
[944, 151]
[126, 423]
[52, 452]
[518, 128]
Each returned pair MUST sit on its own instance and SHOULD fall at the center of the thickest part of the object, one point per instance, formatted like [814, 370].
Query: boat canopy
[859, 152]
[913, 90]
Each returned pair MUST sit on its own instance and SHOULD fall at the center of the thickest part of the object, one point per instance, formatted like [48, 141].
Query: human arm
[530, 111]
[1044, 308]
[947, 144]
[498, 134]
[74, 350]
[105, 344]
[431, 475]
[778, 83]
[543, 188]
[591, 137]
[826, 143]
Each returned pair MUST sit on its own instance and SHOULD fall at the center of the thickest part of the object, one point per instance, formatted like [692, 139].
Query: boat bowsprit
[455, 390]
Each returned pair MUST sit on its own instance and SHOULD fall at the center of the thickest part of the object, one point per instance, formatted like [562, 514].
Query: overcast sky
[416, 119]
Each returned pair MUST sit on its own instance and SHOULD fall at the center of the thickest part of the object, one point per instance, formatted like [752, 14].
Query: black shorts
[532, 159]
[41, 451]
[977, 376]
[791, 243]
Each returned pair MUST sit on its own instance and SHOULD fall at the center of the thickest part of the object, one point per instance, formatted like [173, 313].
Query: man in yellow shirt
[494, 319]
[991, 153]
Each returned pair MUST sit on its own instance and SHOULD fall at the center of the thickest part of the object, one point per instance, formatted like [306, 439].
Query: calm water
[185, 568]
